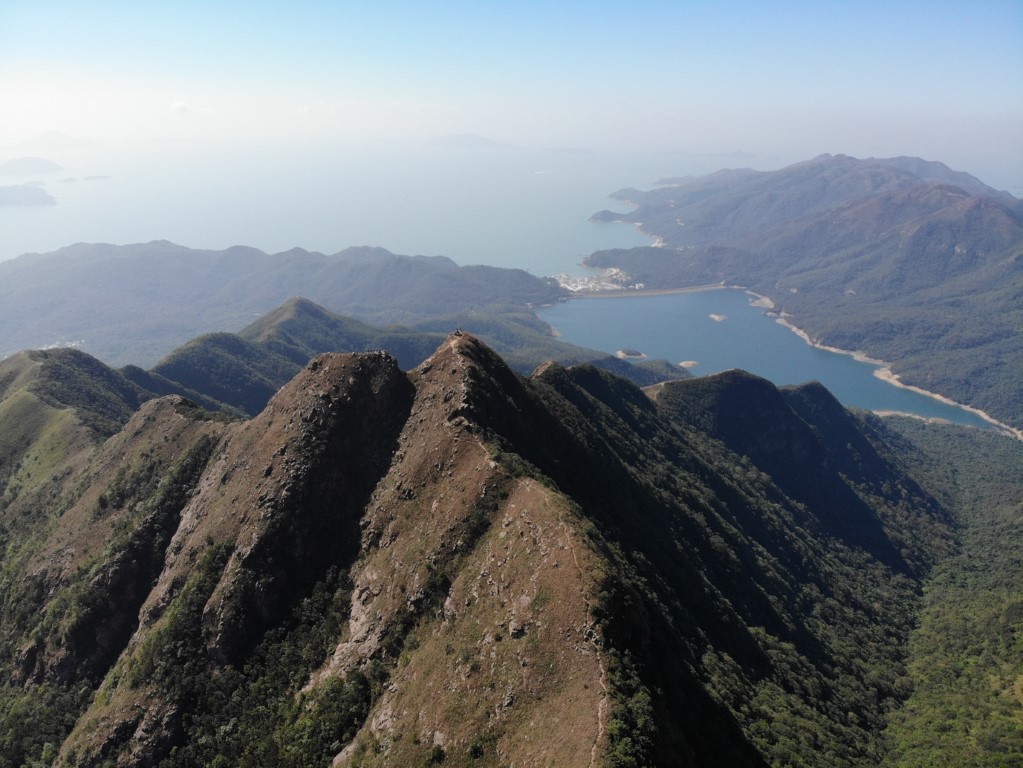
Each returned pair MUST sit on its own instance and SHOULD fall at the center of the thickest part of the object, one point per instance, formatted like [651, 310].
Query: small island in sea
[24, 166]
[25, 194]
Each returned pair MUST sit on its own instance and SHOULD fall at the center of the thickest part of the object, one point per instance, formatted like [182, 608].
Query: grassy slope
[55, 405]
[76, 550]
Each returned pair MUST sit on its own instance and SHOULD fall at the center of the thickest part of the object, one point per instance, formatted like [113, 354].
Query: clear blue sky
[943, 80]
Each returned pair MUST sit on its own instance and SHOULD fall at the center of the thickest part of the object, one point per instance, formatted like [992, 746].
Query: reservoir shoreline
[627, 293]
[884, 373]
[883, 369]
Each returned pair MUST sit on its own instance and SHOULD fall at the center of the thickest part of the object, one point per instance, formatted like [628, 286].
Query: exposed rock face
[452, 564]
[357, 466]
[507, 578]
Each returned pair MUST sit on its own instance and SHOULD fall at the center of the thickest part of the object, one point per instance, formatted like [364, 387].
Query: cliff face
[455, 565]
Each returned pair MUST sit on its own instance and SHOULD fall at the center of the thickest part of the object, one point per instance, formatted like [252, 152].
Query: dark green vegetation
[767, 578]
[901, 258]
[243, 370]
[790, 611]
[966, 655]
[67, 378]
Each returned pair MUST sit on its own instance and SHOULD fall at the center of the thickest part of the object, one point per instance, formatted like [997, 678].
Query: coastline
[884, 372]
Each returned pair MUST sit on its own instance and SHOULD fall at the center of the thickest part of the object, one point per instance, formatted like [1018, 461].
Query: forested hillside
[966, 655]
[242, 371]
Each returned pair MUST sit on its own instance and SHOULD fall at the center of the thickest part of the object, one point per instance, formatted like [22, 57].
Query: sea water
[507, 207]
[716, 330]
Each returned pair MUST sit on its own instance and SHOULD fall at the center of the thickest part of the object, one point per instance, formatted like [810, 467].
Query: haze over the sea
[323, 125]
[512, 208]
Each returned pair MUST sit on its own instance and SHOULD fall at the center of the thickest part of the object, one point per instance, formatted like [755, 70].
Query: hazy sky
[942, 80]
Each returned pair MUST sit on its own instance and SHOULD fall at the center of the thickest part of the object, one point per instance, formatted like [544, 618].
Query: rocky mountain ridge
[459, 564]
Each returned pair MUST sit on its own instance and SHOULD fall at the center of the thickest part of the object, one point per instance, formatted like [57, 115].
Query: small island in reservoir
[630, 354]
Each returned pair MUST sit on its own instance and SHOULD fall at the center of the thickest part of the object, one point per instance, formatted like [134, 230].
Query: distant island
[25, 195]
[23, 166]
[470, 141]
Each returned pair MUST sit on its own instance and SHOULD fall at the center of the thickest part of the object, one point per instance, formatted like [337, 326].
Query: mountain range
[903, 259]
[334, 531]
[132, 304]
[154, 305]
[461, 565]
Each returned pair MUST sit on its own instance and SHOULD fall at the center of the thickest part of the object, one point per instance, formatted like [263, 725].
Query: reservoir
[716, 330]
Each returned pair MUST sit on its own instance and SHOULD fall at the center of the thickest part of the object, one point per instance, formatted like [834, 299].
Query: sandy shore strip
[626, 293]
[917, 416]
[884, 368]
[759, 300]
[884, 372]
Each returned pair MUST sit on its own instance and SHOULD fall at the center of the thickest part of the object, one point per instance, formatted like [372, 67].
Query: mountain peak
[464, 374]
[459, 344]
[333, 376]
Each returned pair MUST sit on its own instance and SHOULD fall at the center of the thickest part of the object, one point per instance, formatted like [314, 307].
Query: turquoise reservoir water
[720, 330]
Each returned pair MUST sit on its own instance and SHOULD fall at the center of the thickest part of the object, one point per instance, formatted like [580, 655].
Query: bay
[721, 329]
